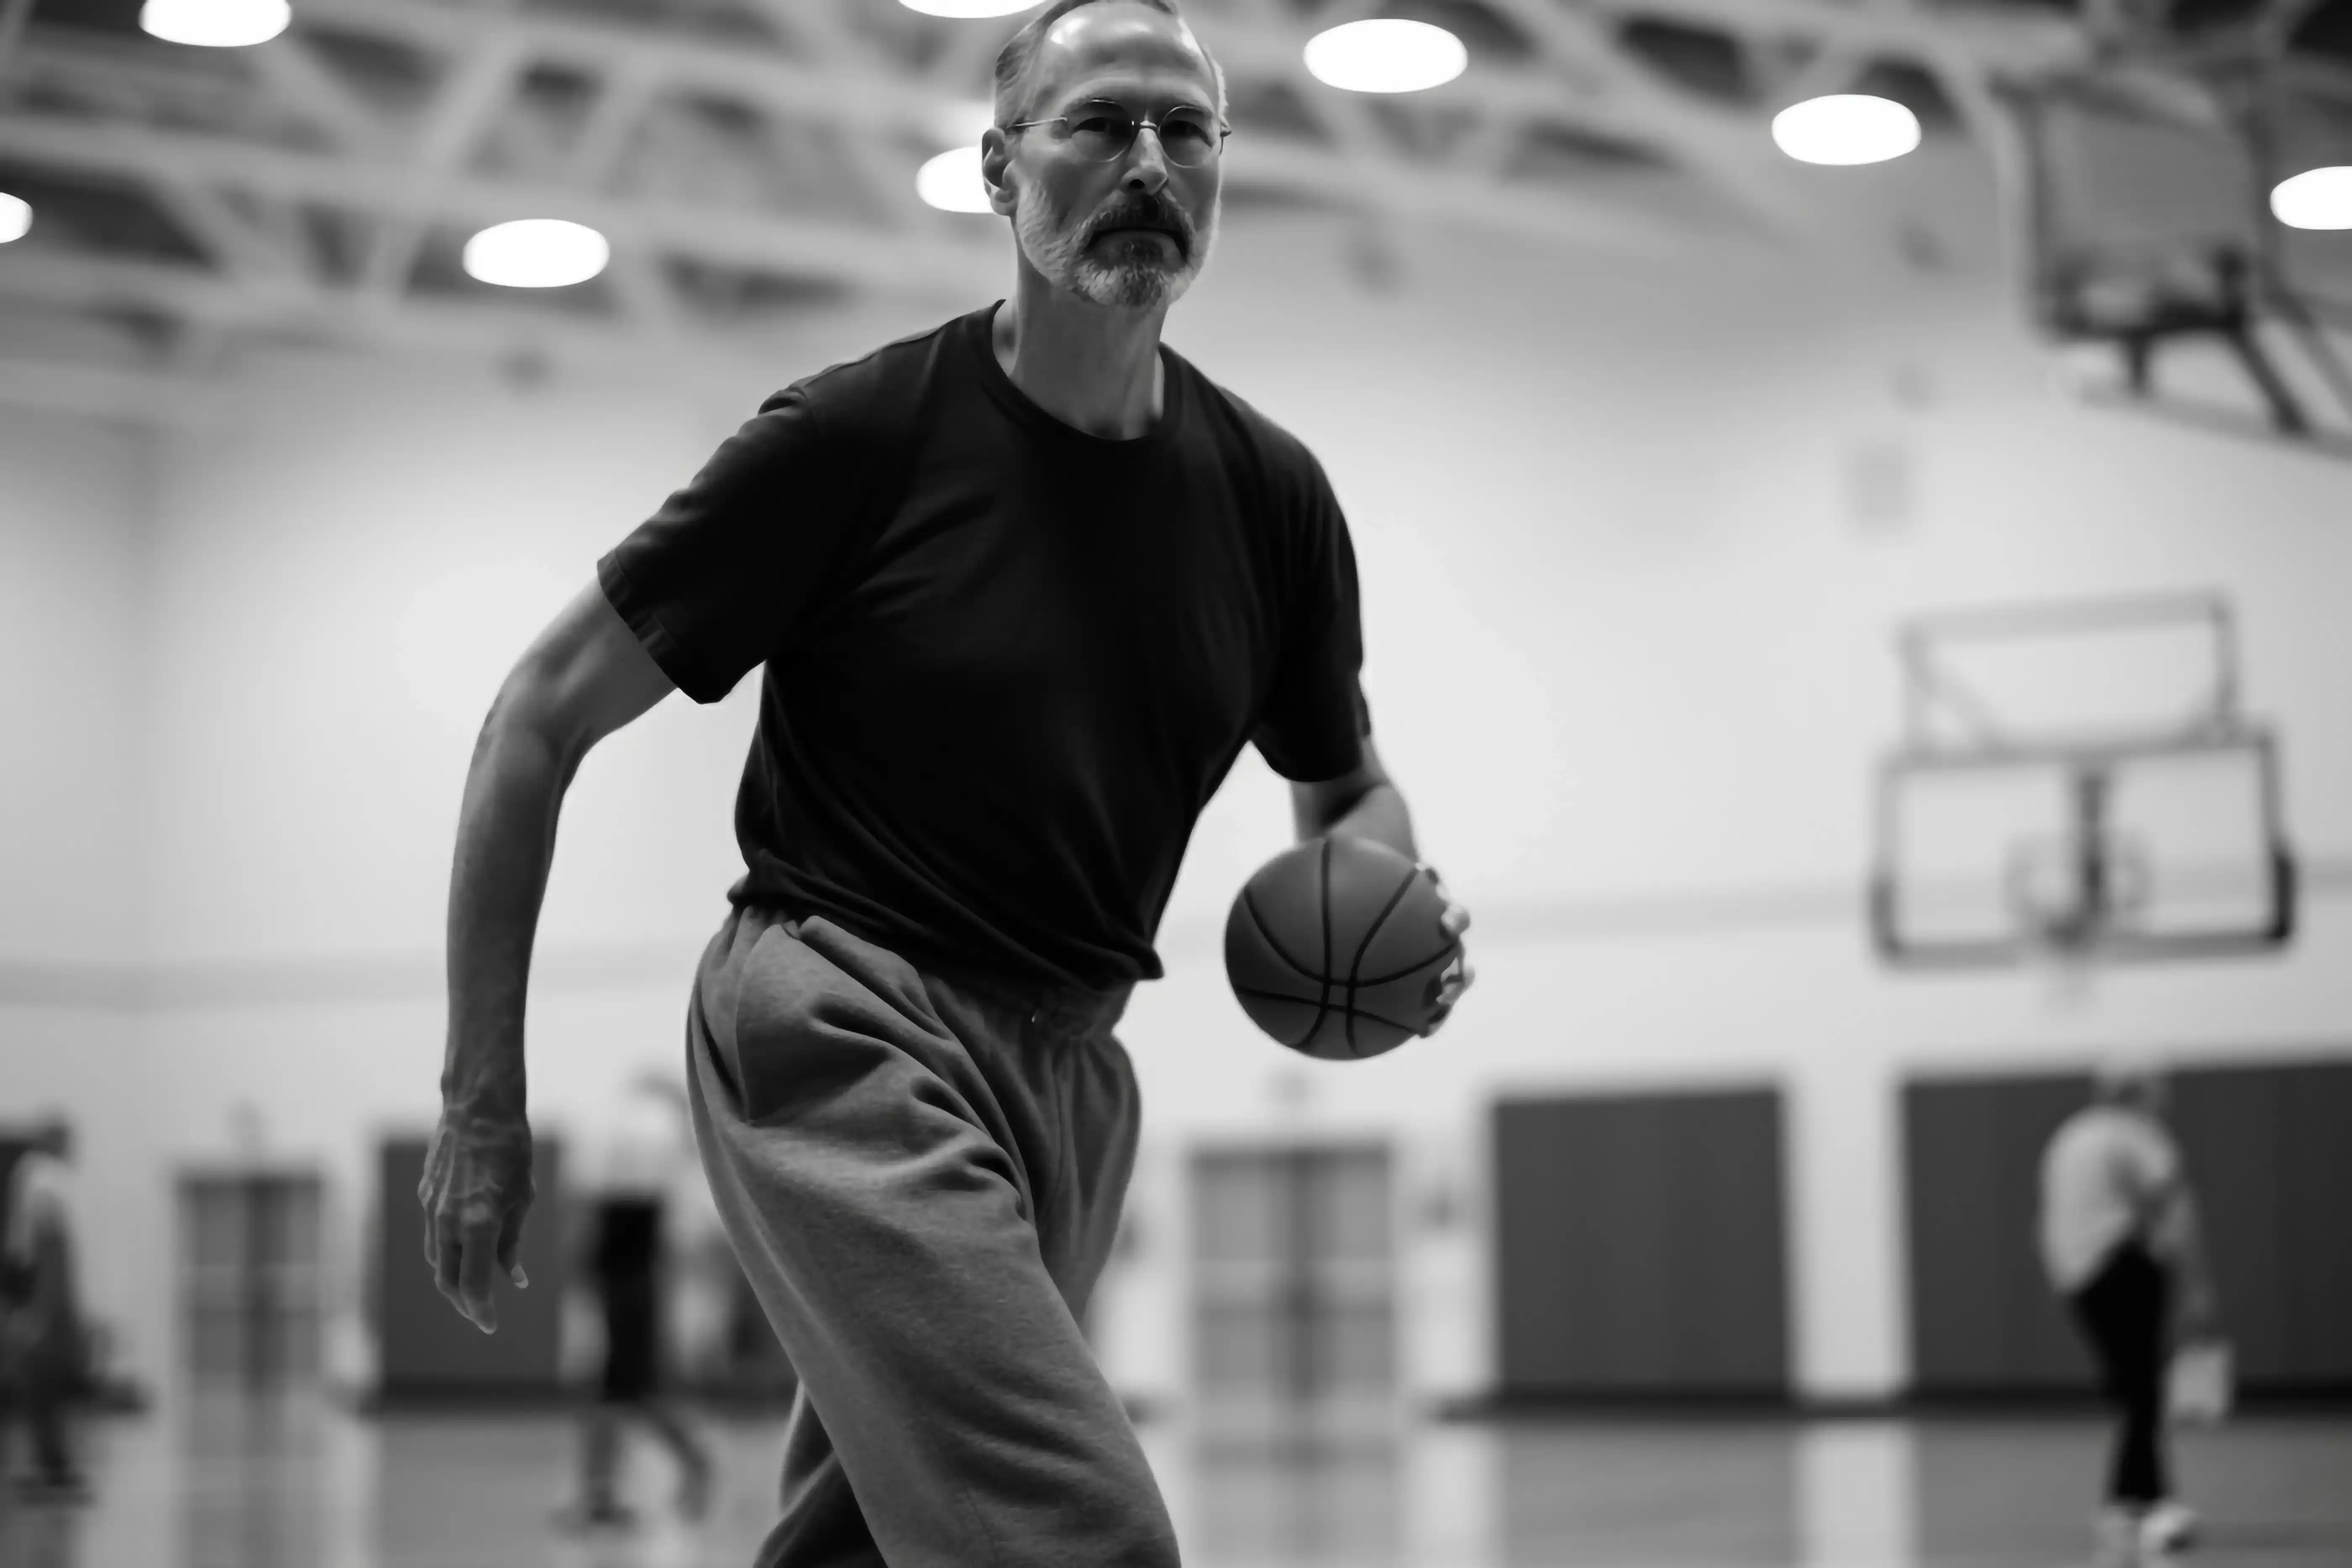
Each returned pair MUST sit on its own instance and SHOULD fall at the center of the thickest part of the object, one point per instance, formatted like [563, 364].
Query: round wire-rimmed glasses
[1102, 132]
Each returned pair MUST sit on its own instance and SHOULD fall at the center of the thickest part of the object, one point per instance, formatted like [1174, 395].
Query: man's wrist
[489, 1098]
[1376, 828]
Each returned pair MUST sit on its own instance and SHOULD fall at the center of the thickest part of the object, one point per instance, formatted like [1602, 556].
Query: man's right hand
[476, 1190]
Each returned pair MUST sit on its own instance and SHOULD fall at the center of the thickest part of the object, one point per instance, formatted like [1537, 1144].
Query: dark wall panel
[2270, 1152]
[2230, 1125]
[2268, 1148]
[428, 1351]
[2317, 1164]
[1982, 1321]
[1639, 1245]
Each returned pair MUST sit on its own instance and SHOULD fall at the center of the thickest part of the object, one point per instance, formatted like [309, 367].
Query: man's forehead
[1121, 51]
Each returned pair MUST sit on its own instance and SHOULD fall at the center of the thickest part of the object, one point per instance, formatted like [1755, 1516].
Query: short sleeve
[732, 565]
[1312, 721]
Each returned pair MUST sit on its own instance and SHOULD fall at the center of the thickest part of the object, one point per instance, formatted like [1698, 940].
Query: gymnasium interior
[1853, 506]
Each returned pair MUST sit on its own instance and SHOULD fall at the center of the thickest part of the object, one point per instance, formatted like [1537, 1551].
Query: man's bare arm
[585, 677]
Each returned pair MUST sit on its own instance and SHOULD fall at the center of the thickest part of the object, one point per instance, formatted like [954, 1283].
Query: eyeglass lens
[1102, 132]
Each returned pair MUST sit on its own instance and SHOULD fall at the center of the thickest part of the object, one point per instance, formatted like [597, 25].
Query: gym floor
[309, 1485]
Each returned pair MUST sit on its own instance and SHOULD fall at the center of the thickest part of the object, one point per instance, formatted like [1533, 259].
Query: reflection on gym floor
[305, 1484]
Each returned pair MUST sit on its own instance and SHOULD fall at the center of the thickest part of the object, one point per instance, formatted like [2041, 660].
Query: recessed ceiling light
[961, 123]
[536, 253]
[2316, 198]
[952, 182]
[215, 24]
[15, 217]
[967, 10]
[1846, 128]
[1386, 56]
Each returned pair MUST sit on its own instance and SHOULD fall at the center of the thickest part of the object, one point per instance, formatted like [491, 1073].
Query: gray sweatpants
[923, 1179]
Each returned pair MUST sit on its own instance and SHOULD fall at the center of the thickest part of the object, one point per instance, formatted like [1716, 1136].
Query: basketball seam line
[1305, 1002]
[1258, 920]
[1260, 991]
[1323, 909]
[1378, 921]
[1365, 946]
[1448, 951]
[1323, 984]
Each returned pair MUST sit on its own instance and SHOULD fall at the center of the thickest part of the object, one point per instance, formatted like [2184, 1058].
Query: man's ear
[995, 168]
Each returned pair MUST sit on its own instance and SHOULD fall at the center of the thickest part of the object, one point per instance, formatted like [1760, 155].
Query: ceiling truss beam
[398, 175]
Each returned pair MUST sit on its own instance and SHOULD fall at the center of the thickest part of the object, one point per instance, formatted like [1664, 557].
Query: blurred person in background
[630, 1233]
[2121, 1243]
[42, 1338]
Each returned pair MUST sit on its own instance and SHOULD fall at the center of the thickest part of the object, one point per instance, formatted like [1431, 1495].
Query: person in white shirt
[2120, 1242]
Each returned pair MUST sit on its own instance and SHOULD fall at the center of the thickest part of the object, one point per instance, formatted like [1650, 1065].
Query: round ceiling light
[15, 217]
[2316, 198]
[1845, 128]
[1386, 56]
[215, 24]
[952, 182]
[536, 253]
[967, 10]
[961, 123]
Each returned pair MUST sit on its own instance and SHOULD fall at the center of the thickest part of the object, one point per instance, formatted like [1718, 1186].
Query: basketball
[1335, 947]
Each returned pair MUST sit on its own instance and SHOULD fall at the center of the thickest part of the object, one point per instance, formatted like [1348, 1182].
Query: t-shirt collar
[978, 335]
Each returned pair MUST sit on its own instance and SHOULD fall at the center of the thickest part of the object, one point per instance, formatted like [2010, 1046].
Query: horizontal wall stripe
[304, 979]
[298, 980]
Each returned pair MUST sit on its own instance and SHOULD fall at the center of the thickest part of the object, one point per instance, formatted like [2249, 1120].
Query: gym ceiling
[749, 159]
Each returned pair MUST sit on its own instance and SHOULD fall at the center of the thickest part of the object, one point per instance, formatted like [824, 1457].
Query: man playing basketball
[1024, 586]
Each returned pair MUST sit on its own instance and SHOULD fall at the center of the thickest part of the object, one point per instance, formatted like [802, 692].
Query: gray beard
[1132, 282]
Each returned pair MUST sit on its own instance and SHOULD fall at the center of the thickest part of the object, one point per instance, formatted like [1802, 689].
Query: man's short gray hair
[1019, 55]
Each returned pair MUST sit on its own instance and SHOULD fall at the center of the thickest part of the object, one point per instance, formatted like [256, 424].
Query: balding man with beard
[1023, 587]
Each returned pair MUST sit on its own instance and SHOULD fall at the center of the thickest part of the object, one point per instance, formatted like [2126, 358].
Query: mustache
[1149, 214]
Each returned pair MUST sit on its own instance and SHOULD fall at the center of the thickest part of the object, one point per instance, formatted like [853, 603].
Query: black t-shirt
[1007, 662]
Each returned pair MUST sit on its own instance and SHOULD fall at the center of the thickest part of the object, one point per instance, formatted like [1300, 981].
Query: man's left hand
[1456, 976]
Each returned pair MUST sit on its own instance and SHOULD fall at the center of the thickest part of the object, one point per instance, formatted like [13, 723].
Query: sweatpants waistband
[1044, 1008]
[1074, 1012]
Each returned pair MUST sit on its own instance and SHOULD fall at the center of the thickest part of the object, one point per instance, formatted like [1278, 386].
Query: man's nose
[1147, 161]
